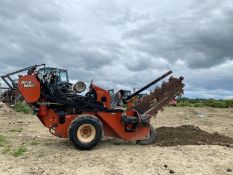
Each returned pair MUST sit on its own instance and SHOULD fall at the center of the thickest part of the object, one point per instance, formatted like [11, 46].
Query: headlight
[79, 87]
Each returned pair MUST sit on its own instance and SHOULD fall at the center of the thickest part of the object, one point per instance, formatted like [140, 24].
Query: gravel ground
[190, 141]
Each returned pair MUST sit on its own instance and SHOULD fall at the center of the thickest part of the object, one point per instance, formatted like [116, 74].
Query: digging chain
[160, 97]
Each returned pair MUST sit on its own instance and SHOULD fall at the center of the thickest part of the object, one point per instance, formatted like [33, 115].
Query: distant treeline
[183, 101]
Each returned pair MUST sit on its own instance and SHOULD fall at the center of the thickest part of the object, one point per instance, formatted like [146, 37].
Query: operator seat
[117, 98]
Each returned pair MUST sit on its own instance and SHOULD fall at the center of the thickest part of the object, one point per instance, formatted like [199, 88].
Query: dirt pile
[190, 135]
[4, 108]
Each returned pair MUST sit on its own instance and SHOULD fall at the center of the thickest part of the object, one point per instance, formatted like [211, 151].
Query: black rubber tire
[76, 123]
[150, 140]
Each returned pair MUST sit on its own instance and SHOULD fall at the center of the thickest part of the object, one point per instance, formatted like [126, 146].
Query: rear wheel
[85, 132]
[149, 140]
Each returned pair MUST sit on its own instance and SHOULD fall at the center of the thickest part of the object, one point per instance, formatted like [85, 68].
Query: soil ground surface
[189, 141]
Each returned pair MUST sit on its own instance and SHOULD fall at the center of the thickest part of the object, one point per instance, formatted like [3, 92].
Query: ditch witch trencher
[85, 119]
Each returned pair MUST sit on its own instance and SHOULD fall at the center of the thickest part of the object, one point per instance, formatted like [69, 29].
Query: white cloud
[123, 44]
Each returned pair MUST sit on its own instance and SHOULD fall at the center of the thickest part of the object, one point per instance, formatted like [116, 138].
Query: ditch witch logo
[27, 84]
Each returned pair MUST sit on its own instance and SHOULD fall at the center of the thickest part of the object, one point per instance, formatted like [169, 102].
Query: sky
[123, 43]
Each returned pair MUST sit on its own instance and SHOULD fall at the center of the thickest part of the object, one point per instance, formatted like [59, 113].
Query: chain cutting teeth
[161, 96]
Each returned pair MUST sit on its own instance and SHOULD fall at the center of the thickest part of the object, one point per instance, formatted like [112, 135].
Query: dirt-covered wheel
[149, 140]
[85, 132]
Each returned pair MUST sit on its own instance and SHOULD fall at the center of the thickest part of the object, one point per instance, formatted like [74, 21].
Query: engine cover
[29, 87]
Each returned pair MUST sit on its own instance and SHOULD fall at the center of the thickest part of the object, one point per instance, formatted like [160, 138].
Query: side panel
[115, 128]
[102, 95]
[51, 121]
[29, 87]
[112, 126]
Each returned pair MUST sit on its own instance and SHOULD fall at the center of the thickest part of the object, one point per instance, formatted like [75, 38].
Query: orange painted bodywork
[112, 125]
[115, 128]
[102, 94]
[29, 87]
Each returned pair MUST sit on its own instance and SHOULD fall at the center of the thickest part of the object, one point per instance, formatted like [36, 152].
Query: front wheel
[85, 132]
[149, 140]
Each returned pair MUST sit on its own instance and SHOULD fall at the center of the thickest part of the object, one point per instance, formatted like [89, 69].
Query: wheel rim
[86, 133]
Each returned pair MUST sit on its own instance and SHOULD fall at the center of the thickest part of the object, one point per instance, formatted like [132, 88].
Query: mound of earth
[190, 135]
